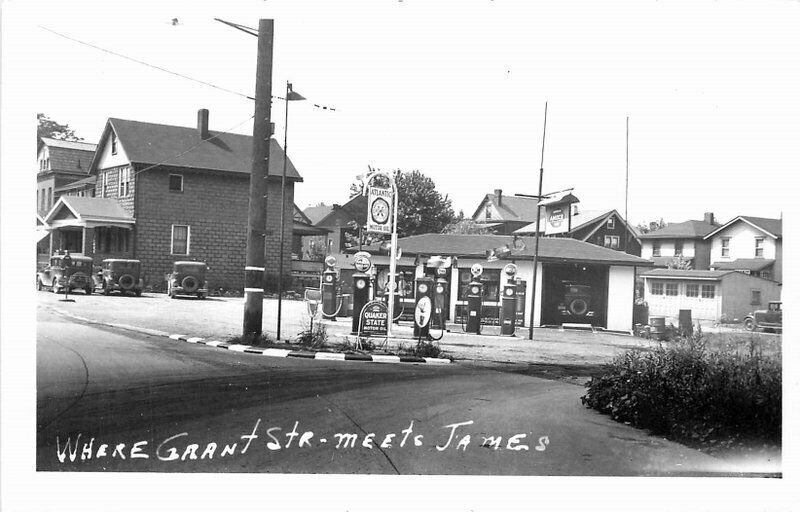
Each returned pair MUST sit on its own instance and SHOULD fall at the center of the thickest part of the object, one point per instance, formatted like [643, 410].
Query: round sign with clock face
[439, 289]
[380, 211]
[509, 292]
[477, 269]
[329, 278]
[423, 288]
[474, 290]
[360, 283]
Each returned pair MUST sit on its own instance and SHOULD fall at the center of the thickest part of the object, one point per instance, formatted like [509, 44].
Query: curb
[323, 356]
[271, 352]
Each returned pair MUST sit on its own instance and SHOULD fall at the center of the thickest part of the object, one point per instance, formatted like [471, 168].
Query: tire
[749, 324]
[201, 295]
[88, 289]
[38, 284]
[127, 282]
[138, 293]
[578, 307]
[190, 284]
[106, 290]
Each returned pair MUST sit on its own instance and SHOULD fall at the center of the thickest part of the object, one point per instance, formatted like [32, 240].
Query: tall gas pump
[423, 307]
[474, 300]
[508, 307]
[439, 303]
[361, 286]
[329, 306]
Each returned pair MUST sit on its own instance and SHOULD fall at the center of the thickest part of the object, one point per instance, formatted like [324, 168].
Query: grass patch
[690, 393]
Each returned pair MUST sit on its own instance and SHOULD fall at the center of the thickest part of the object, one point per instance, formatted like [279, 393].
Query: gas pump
[329, 306]
[474, 300]
[423, 307]
[508, 308]
[439, 303]
[361, 286]
[396, 293]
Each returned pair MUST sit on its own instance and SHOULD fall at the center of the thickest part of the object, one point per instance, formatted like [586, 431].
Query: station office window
[692, 290]
[180, 240]
[671, 289]
[708, 291]
[176, 183]
[755, 297]
[657, 288]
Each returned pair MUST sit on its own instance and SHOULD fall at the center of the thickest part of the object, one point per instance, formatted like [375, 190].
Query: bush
[688, 393]
[314, 336]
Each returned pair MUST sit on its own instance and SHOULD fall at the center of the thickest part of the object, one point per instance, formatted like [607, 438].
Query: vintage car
[118, 275]
[770, 318]
[66, 270]
[577, 301]
[188, 278]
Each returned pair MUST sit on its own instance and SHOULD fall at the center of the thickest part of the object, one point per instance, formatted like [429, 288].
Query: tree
[54, 130]
[465, 226]
[651, 226]
[421, 208]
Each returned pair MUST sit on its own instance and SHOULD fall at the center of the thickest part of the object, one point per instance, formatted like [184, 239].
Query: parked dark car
[770, 318]
[118, 275]
[188, 278]
[76, 274]
[577, 302]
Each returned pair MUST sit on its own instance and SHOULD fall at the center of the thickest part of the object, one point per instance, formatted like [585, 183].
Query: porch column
[88, 242]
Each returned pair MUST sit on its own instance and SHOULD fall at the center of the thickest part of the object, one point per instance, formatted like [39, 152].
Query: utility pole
[538, 220]
[257, 212]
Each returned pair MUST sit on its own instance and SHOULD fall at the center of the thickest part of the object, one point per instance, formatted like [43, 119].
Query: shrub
[688, 393]
[314, 336]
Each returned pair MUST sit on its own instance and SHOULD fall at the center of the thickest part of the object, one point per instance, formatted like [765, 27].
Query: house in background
[751, 245]
[181, 194]
[60, 163]
[339, 221]
[504, 214]
[713, 296]
[680, 241]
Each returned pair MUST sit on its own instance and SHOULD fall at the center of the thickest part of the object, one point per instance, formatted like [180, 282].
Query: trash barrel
[658, 326]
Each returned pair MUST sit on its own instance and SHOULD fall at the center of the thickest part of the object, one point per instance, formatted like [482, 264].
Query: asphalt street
[116, 400]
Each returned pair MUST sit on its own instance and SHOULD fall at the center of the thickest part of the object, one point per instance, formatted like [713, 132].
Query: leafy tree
[651, 226]
[54, 130]
[421, 208]
[465, 226]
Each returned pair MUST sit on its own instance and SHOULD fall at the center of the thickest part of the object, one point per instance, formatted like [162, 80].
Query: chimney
[202, 123]
[708, 218]
[498, 195]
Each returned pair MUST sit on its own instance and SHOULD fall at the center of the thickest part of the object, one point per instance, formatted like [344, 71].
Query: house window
[113, 143]
[656, 248]
[611, 241]
[671, 289]
[656, 288]
[755, 297]
[180, 240]
[726, 247]
[765, 274]
[678, 247]
[708, 291]
[176, 183]
[759, 247]
[610, 224]
[692, 290]
[49, 197]
[488, 213]
[104, 185]
[124, 182]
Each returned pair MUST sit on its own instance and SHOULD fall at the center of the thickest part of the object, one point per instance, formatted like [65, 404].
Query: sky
[457, 90]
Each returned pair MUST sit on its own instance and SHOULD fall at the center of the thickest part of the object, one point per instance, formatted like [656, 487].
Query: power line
[147, 64]
[193, 147]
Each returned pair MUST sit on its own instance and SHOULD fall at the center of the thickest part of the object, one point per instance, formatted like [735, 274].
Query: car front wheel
[749, 324]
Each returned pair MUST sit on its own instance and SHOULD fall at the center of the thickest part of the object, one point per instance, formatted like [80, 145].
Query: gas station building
[576, 282]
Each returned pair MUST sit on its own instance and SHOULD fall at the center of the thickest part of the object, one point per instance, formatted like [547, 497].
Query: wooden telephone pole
[257, 213]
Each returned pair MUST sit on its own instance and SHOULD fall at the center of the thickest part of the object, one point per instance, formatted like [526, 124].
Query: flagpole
[538, 219]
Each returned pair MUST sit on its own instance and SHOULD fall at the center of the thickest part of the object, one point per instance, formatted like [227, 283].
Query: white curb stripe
[329, 356]
[435, 360]
[213, 343]
[254, 290]
[194, 340]
[238, 348]
[254, 268]
[385, 359]
[176, 336]
[276, 352]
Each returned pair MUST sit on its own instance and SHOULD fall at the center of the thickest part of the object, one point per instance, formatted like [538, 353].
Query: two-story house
[60, 163]
[680, 244]
[752, 245]
[504, 214]
[166, 193]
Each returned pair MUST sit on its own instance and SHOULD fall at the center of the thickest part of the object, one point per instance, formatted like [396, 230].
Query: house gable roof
[353, 210]
[550, 249]
[771, 227]
[686, 229]
[511, 208]
[317, 213]
[751, 264]
[69, 156]
[179, 146]
[88, 209]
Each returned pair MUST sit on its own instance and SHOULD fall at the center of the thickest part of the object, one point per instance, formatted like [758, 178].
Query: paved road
[168, 406]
